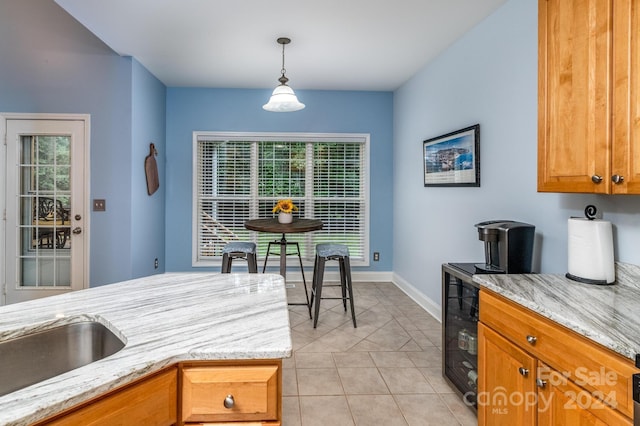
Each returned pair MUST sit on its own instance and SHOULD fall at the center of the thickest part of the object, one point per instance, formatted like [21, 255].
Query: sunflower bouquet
[285, 206]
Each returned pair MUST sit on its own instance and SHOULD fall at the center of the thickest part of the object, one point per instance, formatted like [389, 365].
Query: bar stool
[239, 250]
[339, 252]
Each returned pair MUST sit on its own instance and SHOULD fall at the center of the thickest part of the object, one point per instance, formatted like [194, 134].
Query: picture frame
[453, 159]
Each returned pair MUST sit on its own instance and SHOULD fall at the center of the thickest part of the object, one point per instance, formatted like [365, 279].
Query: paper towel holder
[579, 274]
[590, 212]
[587, 280]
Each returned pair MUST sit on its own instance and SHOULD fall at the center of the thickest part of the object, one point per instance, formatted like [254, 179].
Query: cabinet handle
[532, 339]
[229, 402]
[596, 179]
[523, 371]
[541, 383]
[617, 179]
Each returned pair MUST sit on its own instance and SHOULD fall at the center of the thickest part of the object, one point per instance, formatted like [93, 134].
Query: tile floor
[385, 372]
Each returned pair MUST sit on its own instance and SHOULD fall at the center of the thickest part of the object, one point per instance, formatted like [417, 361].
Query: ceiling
[335, 44]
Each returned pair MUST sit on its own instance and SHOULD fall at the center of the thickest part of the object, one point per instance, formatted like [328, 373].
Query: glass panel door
[45, 235]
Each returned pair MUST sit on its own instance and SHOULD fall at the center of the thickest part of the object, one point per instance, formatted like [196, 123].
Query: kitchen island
[163, 320]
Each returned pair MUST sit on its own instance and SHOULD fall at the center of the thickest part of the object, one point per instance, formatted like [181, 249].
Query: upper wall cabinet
[588, 96]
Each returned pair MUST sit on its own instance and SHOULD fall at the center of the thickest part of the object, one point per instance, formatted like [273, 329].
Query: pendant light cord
[283, 70]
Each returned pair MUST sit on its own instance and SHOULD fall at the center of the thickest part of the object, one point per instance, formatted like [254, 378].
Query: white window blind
[241, 176]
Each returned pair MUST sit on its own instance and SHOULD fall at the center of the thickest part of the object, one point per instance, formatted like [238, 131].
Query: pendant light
[283, 99]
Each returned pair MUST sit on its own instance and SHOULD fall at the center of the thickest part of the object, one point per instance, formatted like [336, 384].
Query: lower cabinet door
[152, 401]
[561, 402]
[231, 393]
[506, 382]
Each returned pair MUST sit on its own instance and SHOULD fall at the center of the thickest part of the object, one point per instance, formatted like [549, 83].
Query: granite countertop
[609, 315]
[163, 319]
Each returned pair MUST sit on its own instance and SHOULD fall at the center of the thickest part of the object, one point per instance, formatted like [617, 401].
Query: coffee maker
[508, 247]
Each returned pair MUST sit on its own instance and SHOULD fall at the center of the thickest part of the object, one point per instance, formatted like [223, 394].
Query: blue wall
[489, 76]
[52, 64]
[241, 110]
[147, 212]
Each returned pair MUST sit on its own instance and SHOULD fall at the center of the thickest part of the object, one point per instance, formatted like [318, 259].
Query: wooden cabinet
[506, 382]
[249, 391]
[562, 375]
[151, 401]
[561, 402]
[588, 100]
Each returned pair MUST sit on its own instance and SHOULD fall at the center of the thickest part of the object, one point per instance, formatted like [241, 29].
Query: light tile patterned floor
[385, 372]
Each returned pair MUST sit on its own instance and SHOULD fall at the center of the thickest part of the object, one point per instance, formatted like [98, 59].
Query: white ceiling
[335, 44]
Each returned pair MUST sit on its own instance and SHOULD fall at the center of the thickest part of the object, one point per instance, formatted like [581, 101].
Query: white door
[45, 215]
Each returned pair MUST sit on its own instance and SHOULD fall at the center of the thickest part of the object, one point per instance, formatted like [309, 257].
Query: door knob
[77, 230]
[523, 371]
[596, 179]
[617, 179]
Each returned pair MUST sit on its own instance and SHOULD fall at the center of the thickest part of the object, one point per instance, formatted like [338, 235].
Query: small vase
[285, 217]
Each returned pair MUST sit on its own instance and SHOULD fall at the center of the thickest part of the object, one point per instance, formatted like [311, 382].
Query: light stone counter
[163, 319]
[609, 315]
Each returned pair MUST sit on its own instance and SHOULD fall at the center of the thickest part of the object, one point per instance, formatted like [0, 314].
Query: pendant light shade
[283, 99]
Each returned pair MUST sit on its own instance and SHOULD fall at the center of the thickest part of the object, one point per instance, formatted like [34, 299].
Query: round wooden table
[272, 225]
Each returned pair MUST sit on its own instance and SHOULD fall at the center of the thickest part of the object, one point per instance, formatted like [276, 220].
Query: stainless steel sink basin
[35, 357]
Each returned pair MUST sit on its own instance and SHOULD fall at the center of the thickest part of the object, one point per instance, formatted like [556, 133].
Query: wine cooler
[460, 329]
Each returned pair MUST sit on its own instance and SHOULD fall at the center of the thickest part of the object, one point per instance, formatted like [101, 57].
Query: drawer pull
[532, 339]
[541, 383]
[229, 402]
[523, 371]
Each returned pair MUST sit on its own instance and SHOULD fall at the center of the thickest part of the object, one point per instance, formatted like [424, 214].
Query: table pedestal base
[283, 243]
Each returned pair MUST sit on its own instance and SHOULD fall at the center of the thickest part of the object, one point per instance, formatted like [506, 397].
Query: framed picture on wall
[453, 159]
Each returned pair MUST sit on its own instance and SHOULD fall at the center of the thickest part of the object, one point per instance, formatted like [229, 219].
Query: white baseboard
[427, 304]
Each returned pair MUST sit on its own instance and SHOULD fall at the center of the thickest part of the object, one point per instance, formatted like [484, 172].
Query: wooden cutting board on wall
[151, 170]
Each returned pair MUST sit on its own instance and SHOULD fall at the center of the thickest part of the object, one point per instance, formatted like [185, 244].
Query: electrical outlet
[99, 205]
[155, 263]
[376, 256]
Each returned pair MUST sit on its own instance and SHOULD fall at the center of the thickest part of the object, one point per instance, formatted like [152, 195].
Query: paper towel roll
[591, 251]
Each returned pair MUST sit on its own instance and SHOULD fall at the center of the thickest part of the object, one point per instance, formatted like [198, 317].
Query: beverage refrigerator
[460, 329]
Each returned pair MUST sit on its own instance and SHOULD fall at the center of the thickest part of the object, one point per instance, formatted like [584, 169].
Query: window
[240, 176]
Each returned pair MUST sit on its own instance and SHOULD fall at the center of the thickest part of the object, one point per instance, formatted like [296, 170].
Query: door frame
[86, 212]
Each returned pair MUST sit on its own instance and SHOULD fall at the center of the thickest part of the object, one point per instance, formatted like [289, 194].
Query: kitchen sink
[35, 357]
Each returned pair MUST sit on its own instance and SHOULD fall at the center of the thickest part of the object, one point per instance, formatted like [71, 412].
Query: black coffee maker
[508, 246]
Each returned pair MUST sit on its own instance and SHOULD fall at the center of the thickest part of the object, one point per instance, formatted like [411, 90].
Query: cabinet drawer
[604, 373]
[254, 389]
